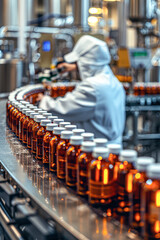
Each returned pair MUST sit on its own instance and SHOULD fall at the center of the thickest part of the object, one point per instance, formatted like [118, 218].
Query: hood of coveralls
[91, 54]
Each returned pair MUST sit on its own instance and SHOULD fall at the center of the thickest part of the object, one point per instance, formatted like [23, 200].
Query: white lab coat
[97, 104]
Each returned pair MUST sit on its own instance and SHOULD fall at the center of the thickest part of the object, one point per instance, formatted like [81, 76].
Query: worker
[98, 103]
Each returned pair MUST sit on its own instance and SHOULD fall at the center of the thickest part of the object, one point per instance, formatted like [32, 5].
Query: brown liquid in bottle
[21, 120]
[72, 160]
[101, 180]
[46, 141]
[18, 119]
[53, 148]
[61, 153]
[14, 115]
[84, 160]
[126, 173]
[29, 129]
[40, 134]
[10, 115]
[25, 127]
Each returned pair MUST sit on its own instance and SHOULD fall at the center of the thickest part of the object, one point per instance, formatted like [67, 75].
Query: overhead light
[94, 10]
[92, 20]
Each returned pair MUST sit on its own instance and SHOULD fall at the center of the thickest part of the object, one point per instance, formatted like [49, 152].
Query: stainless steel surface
[142, 10]
[52, 195]
[10, 74]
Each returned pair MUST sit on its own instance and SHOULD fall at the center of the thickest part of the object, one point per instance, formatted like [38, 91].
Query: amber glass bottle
[40, 135]
[25, 126]
[70, 127]
[87, 136]
[126, 173]
[52, 118]
[78, 131]
[63, 124]
[21, 120]
[84, 160]
[35, 129]
[14, 115]
[46, 140]
[61, 153]
[58, 121]
[21, 107]
[72, 160]
[100, 142]
[101, 180]
[137, 214]
[29, 129]
[10, 113]
[114, 152]
[8, 106]
[53, 148]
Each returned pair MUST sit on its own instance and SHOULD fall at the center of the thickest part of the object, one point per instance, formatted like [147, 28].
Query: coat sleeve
[78, 105]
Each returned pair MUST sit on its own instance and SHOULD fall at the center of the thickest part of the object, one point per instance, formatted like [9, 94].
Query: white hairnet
[91, 55]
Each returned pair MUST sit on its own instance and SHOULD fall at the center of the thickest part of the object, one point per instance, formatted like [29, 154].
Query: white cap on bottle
[33, 114]
[42, 112]
[45, 122]
[100, 142]
[51, 126]
[87, 136]
[24, 110]
[32, 107]
[29, 105]
[63, 124]
[52, 118]
[78, 131]
[58, 130]
[70, 127]
[38, 118]
[66, 134]
[28, 112]
[100, 152]
[38, 109]
[20, 107]
[24, 102]
[153, 171]
[128, 155]
[58, 120]
[114, 148]
[47, 115]
[143, 163]
[88, 146]
[76, 140]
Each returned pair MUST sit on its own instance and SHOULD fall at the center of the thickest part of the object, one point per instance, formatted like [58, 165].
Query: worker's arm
[76, 106]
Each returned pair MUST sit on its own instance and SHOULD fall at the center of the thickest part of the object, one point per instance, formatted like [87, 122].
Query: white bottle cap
[76, 140]
[88, 146]
[24, 110]
[70, 127]
[153, 171]
[78, 131]
[32, 107]
[51, 126]
[29, 105]
[66, 134]
[45, 122]
[100, 142]
[114, 148]
[42, 111]
[58, 130]
[143, 162]
[63, 124]
[100, 152]
[17, 104]
[21, 107]
[38, 118]
[32, 115]
[47, 115]
[38, 109]
[28, 112]
[24, 102]
[52, 118]
[128, 155]
[87, 136]
[58, 120]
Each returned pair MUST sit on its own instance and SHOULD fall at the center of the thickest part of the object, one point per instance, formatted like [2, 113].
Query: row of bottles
[112, 178]
[141, 88]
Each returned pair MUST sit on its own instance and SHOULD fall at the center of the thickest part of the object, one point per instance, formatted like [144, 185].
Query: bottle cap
[38, 109]
[63, 124]
[42, 112]
[17, 104]
[24, 102]
[76, 140]
[33, 114]
[143, 162]
[66, 134]
[100, 142]
[20, 107]
[100, 152]
[70, 127]
[114, 148]
[51, 126]
[153, 171]
[14, 103]
[52, 118]
[78, 131]
[58, 130]
[58, 120]
[47, 115]
[87, 136]
[38, 118]
[32, 107]
[128, 155]
[45, 122]
[29, 105]
[24, 110]
[28, 112]
[88, 146]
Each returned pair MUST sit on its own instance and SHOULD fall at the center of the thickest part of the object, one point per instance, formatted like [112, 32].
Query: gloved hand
[67, 67]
